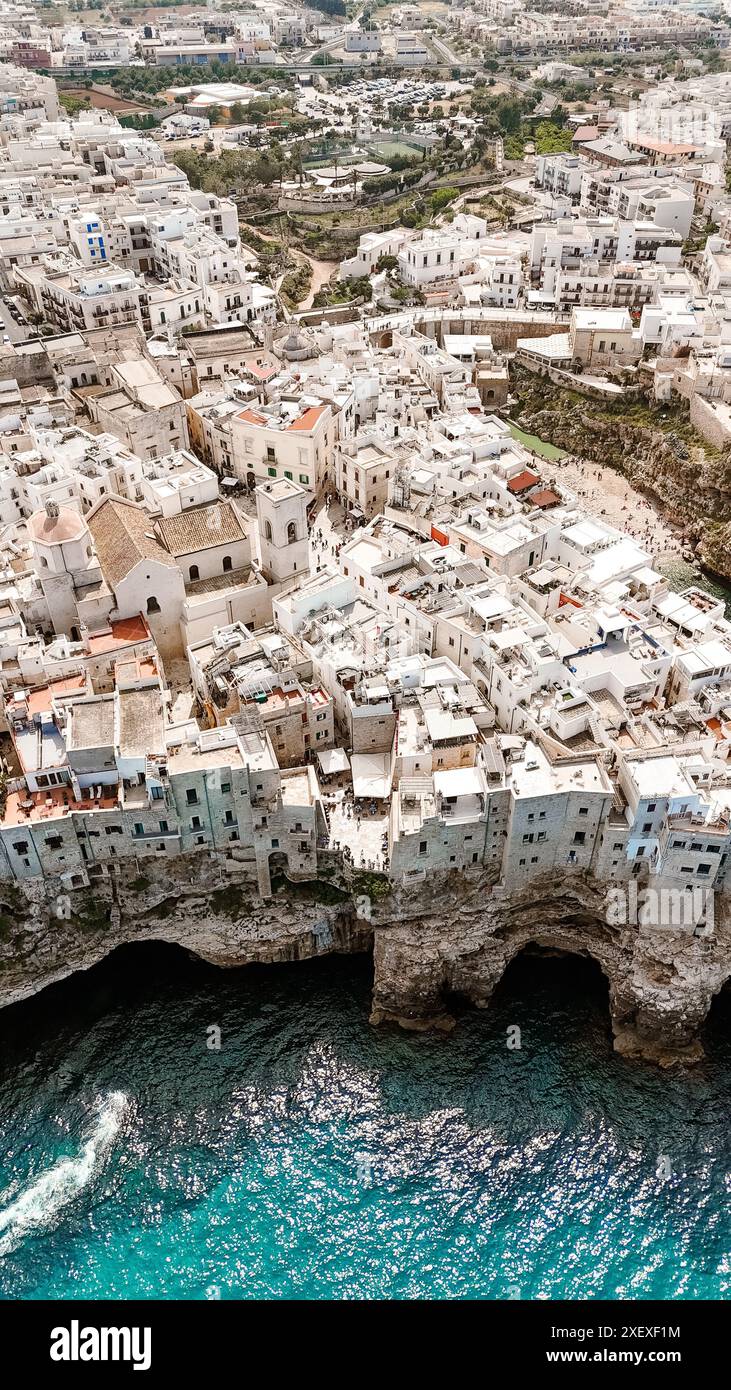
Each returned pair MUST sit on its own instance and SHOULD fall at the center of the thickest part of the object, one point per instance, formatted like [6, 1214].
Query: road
[321, 274]
[17, 329]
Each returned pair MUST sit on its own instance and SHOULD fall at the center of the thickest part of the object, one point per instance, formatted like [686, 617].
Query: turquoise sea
[312, 1157]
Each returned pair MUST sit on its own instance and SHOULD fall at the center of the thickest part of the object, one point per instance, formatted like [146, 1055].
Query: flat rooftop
[141, 722]
[91, 723]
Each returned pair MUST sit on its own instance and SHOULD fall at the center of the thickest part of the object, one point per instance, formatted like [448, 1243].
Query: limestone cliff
[714, 548]
[453, 934]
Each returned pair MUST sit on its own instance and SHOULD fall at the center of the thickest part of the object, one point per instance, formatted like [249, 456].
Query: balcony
[146, 835]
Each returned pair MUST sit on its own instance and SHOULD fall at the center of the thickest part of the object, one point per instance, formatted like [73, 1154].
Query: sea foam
[44, 1200]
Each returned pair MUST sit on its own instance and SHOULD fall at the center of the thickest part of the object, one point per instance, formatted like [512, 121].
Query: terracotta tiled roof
[522, 481]
[544, 497]
[122, 632]
[308, 419]
[201, 528]
[123, 535]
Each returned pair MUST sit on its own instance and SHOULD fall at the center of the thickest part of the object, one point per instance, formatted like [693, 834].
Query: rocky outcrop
[714, 549]
[661, 979]
[453, 934]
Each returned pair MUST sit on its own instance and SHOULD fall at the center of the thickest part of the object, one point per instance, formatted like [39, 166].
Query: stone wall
[712, 419]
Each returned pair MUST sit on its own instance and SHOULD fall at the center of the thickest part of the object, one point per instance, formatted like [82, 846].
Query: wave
[45, 1199]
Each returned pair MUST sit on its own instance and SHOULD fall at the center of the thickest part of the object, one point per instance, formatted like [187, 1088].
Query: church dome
[56, 525]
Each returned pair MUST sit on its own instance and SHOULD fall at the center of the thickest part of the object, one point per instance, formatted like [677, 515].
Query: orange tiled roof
[40, 699]
[124, 632]
[522, 481]
[308, 420]
[545, 497]
[51, 805]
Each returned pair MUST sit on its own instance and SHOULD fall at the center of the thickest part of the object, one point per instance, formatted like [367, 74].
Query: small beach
[606, 493]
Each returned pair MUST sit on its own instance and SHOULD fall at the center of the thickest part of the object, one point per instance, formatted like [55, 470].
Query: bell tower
[281, 512]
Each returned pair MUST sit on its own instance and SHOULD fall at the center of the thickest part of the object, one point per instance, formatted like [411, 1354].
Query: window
[651, 806]
[267, 530]
[152, 604]
[291, 533]
[193, 573]
[139, 828]
[227, 564]
[289, 475]
[272, 472]
[195, 822]
[580, 837]
[191, 796]
[423, 847]
[583, 810]
[225, 787]
[305, 478]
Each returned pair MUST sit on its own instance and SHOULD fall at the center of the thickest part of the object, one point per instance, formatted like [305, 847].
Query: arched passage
[534, 963]
[659, 988]
[717, 1027]
[554, 995]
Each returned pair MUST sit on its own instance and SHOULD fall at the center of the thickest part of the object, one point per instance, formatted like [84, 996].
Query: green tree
[441, 198]
[72, 105]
